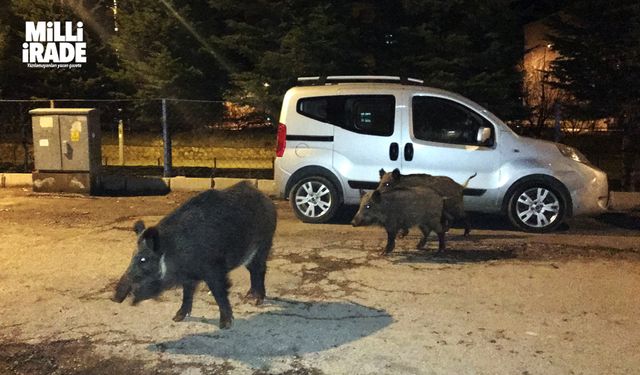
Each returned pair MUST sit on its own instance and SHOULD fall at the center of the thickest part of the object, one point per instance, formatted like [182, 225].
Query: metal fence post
[121, 142]
[167, 140]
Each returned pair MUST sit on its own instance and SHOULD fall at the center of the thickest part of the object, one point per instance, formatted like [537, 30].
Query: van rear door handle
[394, 150]
[408, 151]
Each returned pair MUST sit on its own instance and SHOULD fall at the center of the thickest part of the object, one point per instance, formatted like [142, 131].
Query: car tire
[314, 199]
[537, 206]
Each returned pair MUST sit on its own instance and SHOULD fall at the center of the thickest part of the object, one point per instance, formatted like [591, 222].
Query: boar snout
[123, 288]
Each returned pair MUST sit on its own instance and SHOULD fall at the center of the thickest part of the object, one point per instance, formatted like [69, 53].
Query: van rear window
[364, 114]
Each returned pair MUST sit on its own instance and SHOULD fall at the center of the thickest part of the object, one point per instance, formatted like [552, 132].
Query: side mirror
[484, 134]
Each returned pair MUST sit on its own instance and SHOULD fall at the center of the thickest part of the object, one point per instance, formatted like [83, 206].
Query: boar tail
[469, 179]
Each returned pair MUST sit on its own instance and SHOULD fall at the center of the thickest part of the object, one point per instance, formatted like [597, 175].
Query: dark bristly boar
[400, 209]
[451, 191]
[202, 240]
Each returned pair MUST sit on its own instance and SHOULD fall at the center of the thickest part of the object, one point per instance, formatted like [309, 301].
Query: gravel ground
[498, 302]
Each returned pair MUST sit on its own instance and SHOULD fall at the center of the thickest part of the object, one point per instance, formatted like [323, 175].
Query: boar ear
[150, 238]
[396, 174]
[375, 197]
[138, 227]
[382, 172]
[362, 193]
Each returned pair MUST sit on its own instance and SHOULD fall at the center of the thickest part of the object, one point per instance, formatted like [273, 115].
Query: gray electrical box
[66, 148]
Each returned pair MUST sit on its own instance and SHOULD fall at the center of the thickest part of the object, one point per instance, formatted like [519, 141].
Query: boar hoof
[226, 323]
[257, 301]
[255, 296]
[180, 316]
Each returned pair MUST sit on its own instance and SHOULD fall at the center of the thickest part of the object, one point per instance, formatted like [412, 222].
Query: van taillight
[282, 139]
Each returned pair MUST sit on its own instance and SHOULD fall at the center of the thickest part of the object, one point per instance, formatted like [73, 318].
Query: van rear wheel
[314, 199]
[537, 207]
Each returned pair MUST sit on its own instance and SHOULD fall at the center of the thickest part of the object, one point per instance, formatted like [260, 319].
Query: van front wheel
[314, 199]
[537, 207]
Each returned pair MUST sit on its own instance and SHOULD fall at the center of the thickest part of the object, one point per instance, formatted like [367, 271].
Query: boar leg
[391, 241]
[257, 269]
[187, 301]
[446, 221]
[219, 284]
[457, 212]
[436, 226]
[441, 243]
[465, 221]
[425, 233]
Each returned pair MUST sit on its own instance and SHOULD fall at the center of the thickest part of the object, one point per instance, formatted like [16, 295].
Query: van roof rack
[328, 80]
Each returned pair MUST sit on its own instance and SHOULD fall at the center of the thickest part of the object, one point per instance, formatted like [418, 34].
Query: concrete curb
[224, 182]
[16, 180]
[268, 187]
[139, 184]
[182, 183]
[624, 201]
[147, 185]
[619, 201]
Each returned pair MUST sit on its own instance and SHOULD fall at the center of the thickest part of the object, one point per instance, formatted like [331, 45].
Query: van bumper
[280, 177]
[591, 197]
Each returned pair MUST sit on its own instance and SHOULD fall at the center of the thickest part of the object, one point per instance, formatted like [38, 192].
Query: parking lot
[497, 302]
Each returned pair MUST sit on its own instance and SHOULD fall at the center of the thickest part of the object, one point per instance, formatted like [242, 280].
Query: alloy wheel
[537, 208]
[313, 199]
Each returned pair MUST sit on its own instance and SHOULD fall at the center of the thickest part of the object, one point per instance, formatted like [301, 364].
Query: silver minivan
[336, 133]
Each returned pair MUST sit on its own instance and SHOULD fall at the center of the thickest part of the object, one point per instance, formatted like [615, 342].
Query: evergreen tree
[599, 44]
[162, 51]
[5, 30]
[254, 50]
[249, 33]
[472, 47]
[18, 81]
[468, 46]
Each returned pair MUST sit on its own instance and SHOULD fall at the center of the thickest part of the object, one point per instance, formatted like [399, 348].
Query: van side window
[445, 121]
[364, 114]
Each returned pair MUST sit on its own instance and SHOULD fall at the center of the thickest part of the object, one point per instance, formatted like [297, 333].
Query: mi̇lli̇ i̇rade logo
[54, 44]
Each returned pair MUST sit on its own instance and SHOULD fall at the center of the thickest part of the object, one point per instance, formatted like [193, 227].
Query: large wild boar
[451, 191]
[400, 209]
[202, 240]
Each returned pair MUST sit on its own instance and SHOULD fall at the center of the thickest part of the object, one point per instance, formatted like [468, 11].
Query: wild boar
[451, 191]
[202, 240]
[400, 209]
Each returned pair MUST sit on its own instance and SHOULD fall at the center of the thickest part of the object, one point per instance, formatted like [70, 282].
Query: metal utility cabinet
[66, 147]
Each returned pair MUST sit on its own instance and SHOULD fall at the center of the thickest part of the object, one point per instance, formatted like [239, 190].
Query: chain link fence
[207, 138]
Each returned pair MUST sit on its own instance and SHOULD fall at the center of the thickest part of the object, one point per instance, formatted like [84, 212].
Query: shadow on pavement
[475, 236]
[288, 327]
[344, 215]
[489, 222]
[624, 220]
[454, 256]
